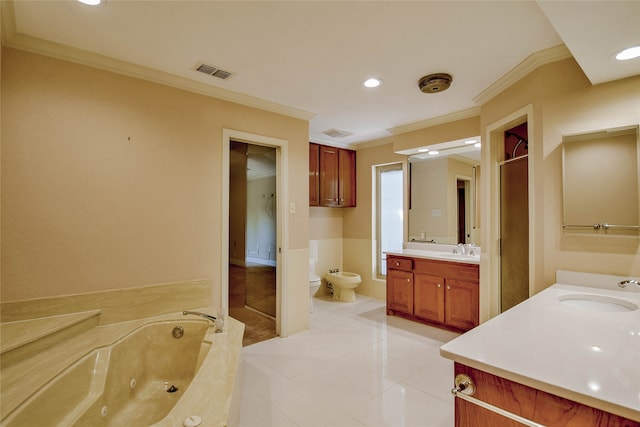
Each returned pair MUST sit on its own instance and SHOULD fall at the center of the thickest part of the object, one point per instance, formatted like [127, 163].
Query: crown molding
[12, 39]
[447, 118]
[530, 63]
[372, 144]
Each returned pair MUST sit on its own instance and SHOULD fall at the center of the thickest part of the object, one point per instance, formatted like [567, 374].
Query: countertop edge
[435, 256]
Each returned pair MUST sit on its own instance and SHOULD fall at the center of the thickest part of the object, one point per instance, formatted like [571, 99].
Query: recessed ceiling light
[471, 141]
[373, 82]
[91, 2]
[629, 53]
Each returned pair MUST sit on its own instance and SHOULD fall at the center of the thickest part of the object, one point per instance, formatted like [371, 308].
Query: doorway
[252, 239]
[514, 218]
[463, 214]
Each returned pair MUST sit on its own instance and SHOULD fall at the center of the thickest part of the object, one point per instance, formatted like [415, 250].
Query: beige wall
[110, 182]
[562, 102]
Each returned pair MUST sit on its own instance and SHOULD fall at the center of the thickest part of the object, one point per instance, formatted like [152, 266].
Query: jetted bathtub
[134, 382]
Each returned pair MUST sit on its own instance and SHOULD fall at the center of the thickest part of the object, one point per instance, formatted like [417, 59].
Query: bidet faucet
[197, 313]
[625, 283]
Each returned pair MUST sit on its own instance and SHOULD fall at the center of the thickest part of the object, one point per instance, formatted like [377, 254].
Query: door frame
[490, 260]
[282, 156]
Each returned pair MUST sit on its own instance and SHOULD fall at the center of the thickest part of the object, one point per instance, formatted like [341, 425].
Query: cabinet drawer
[448, 269]
[396, 263]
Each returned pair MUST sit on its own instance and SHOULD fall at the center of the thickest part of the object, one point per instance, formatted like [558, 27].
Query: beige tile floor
[355, 367]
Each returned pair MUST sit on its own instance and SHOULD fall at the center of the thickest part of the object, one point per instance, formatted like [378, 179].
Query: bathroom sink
[343, 278]
[597, 302]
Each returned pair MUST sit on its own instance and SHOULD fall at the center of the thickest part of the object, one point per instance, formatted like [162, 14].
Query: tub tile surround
[24, 338]
[584, 355]
[208, 396]
[118, 305]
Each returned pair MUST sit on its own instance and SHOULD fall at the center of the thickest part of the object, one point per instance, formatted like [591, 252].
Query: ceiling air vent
[337, 133]
[213, 71]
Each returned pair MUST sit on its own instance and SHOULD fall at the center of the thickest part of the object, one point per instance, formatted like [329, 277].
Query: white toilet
[314, 284]
[344, 285]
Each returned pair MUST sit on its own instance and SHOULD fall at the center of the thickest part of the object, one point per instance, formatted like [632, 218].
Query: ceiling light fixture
[91, 2]
[423, 150]
[629, 53]
[470, 141]
[373, 82]
[434, 153]
[433, 83]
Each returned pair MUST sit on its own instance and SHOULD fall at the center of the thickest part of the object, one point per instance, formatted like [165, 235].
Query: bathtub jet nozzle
[197, 313]
[172, 389]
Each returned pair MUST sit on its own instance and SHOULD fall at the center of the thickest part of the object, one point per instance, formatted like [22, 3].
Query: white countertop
[436, 255]
[588, 356]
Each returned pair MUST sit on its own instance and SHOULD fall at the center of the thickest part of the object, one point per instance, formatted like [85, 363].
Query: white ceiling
[309, 58]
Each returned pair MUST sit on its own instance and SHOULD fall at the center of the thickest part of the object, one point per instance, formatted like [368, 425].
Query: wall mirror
[443, 183]
[601, 182]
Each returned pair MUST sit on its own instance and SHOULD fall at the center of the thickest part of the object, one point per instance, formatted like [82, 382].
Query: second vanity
[436, 287]
[568, 356]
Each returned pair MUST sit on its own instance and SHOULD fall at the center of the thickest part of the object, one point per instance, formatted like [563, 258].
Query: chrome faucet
[197, 313]
[625, 283]
[470, 249]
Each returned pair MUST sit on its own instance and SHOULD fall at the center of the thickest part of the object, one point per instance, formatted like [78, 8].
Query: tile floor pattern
[355, 367]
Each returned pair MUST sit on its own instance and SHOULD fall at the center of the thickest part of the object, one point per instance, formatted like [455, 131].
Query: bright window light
[372, 82]
[630, 53]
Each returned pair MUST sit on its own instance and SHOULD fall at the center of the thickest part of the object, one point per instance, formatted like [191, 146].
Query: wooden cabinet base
[530, 403]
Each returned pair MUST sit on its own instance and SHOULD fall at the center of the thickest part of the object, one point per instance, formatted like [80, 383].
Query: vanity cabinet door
[329, 174]
[347, 178]
[400, 291]
[429, 297]
[462, 300]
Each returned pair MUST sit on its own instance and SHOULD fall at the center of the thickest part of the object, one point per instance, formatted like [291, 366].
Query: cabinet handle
[439, 285]
[448, 287]
[397, 264]
[408, 280]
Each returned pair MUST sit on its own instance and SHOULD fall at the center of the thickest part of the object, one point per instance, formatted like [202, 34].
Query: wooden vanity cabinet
[437, 292]
[533, 404]
[332, 176]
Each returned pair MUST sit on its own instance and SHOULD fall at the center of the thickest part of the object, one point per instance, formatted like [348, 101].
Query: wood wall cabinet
[442, 293]
[533, 404]
[332, 176]
[314, 174]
